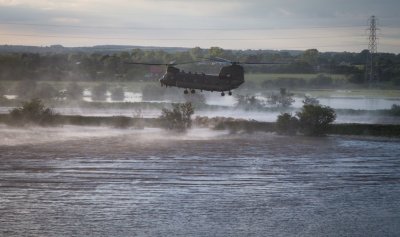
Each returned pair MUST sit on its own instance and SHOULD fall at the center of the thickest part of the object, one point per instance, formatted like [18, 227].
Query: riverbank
[219, 123]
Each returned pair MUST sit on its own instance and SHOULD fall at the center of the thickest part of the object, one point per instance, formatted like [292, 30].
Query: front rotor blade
[150, 64]
[266, 63]
[187, 62]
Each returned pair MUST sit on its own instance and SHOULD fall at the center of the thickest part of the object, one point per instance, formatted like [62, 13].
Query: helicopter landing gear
[222, 94]
[229, 93]
[192, 91]
[185, 92]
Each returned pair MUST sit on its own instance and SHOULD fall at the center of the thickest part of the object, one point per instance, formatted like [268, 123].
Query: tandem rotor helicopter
[230, 77]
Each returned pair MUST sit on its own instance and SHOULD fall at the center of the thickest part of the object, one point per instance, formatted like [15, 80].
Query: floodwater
[98, 181]
[263, 116]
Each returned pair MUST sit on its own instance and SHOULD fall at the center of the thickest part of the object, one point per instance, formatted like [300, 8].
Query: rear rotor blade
[262, 63]
[150, 64]
[173, 63]
[222, 60]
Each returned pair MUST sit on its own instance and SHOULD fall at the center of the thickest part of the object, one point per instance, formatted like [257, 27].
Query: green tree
[311, 56]
[308, 100]
[216, 52]
[284, 99]
[248, 102]
[314, 120]
[196, 53]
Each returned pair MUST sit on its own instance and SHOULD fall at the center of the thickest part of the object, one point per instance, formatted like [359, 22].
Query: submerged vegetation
[282, 100]
[32, 112]
[312, 120]
[286, 124]
[178, 118]
[60, 80]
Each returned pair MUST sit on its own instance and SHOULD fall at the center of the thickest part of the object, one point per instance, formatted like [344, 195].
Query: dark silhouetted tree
[32, 112]
[178, 118]
[284, 99]
[287, 124]
[314, 120]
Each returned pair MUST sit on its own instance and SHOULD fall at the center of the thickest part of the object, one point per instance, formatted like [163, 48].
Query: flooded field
[82, 181]
[229, 108]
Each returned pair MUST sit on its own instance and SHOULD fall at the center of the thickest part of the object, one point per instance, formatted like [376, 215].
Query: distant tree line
[101, 66]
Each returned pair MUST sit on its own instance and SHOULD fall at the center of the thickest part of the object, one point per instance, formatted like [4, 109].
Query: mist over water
[86, 181]
[228, 108]
[263, 116]
[12, 136]
[102, 181]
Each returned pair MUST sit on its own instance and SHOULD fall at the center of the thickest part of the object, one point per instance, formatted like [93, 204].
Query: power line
[184, 39]
[149, 28]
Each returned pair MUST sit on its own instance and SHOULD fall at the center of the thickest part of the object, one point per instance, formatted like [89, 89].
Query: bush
[122, 122]
[284, 99]
[179, 118]
[314, 120]
[248, 102]
[308, 100]
[287, 124]
[33, 112]
[395, 110]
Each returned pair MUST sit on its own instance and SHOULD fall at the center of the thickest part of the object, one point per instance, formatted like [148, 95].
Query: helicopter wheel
[186, 92]
[229, 93]
[193, 91]
[222, 94]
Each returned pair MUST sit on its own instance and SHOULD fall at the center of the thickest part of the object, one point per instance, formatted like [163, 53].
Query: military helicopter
[230, 77]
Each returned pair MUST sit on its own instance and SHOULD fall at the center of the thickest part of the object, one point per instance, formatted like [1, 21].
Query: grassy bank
[233, 125]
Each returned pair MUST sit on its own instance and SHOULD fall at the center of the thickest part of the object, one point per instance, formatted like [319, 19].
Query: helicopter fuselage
[229, 78]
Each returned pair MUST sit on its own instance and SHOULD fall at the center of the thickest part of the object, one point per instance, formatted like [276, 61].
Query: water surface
[82, 181]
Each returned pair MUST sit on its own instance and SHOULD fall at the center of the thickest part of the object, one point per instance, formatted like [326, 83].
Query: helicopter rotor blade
[189, 62]
[223, 60]
[263, 63]
[149, 64]
[172, 63]
[216, 59]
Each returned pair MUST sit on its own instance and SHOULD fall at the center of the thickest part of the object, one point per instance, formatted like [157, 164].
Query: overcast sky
[328, 25]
